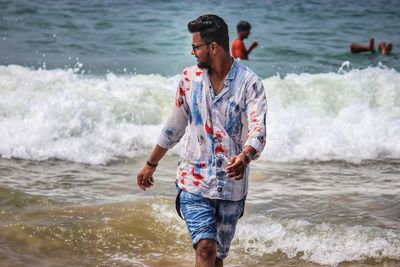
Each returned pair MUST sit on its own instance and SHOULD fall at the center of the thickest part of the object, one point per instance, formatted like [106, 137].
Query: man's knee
[206, 249]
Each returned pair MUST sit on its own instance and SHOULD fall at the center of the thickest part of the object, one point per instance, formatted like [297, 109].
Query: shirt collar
[232, 71]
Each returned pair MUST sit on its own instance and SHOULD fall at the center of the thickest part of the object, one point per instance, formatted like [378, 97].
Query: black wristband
[151, 164]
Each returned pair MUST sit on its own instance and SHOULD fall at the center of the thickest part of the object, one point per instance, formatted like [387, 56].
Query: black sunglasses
[195, 47]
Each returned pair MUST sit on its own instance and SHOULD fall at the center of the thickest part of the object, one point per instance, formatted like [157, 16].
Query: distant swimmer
[238, 49]
[383, 47]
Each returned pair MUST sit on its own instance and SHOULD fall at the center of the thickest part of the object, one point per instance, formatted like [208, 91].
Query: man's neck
[218, 72]
[242, 36]
[221, 67]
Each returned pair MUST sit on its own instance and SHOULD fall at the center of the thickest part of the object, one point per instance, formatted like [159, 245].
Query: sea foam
[325, 244]
[322, 243]
[349, 116]
[60, 114]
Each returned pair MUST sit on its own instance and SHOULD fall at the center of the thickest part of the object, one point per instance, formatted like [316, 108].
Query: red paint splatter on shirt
[219, 135]
[219, 148]
[181, 91]
[179, 102]
[197, 175]
[208, 129]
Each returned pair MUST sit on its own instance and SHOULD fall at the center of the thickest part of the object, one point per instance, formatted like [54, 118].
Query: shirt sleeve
[177, 121]
[256, 102]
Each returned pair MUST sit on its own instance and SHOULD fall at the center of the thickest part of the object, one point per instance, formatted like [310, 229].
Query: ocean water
[128, 37]
[85, 88]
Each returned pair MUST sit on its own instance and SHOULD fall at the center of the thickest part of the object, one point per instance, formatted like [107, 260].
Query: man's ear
[214, 47]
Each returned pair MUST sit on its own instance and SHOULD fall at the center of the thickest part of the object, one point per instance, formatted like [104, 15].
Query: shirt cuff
[257, 145]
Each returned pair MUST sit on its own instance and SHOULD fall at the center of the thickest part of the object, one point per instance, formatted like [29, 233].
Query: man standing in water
[221, 108]
[238, 49]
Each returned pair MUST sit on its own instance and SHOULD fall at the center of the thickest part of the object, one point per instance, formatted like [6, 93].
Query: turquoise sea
[86, 85]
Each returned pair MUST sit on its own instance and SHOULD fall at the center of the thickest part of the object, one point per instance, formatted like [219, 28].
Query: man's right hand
[254, 44]
[145, 177]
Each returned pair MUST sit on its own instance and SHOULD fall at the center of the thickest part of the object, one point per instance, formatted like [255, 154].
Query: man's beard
[203, 65]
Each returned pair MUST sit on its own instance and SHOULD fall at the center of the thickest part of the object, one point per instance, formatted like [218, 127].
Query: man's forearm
[250, 49]
[157, 154]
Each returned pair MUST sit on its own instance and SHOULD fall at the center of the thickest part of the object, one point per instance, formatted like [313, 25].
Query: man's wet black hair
[212, 29]
[243, 26]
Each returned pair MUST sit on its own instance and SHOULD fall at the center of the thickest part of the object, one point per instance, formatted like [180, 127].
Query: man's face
[245, 34]
[201, 50]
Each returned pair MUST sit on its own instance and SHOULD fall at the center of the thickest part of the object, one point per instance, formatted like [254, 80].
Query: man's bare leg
[357, 48]
[372, 45]
[206, 253]
[219, 262]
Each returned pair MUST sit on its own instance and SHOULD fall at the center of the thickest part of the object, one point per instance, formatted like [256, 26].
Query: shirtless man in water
[238, 49]
[383, 47]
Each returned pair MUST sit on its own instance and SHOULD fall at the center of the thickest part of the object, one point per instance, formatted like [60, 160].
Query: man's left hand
[236, 166]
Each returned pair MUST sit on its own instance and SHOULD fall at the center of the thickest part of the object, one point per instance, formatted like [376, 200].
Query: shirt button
[219, 189]
[219, 162]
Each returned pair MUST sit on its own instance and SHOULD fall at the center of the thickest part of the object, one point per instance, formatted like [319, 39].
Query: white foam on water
[45, 114]
[322, 243]
[60, 114]
[169, 220]
[349, 116]
[325, 244]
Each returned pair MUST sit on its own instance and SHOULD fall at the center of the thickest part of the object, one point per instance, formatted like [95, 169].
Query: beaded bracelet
[151, 164]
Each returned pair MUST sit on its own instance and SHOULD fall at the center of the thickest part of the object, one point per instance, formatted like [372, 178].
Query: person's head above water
[212, 28]
[385, 48]
[243, 29]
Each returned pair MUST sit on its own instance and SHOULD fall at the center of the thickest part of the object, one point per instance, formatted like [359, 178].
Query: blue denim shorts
[214, 219]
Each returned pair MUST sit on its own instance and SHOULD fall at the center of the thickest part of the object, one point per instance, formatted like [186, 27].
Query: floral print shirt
[215, 128]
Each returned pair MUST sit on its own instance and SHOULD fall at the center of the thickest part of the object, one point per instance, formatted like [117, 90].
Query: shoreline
[294, 214]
